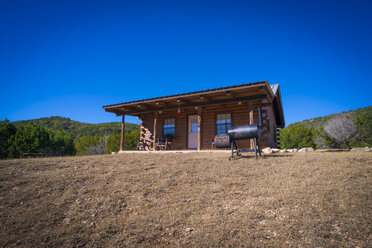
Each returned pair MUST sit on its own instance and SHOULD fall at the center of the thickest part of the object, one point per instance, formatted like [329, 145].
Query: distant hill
[363, 115]
[363, 121]
[77, 129]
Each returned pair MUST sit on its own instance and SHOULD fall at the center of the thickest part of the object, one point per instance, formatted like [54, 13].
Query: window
[169, 126]
[194, 125]
[223, 123]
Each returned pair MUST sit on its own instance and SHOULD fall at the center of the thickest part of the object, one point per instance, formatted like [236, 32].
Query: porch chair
[165, 142]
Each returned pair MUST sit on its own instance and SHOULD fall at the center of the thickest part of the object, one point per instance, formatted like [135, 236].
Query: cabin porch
[194, 119]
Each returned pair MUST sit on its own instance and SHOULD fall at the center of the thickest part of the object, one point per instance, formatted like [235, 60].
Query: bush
[341, 128]
[84, 142]
[130, 141]
[296, 136]
[113, 144]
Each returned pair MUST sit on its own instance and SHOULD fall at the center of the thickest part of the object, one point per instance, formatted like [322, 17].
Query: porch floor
[179, 151]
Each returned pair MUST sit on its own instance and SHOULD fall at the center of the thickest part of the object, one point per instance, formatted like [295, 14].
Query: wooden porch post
[154, 132]
[251, 122]
[199, 128]
[122, 133]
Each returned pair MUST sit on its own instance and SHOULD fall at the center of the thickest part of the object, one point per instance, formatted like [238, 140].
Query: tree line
[34, 139]
[76, 128]
[58, 136]
[343, 130]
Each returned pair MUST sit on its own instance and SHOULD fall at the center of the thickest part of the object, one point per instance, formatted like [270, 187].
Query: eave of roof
[209, 91]
[278, 104]
[274, 88]
[135, 108]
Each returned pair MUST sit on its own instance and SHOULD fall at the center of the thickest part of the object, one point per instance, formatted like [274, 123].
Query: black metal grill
[239, 133]
[245, 132]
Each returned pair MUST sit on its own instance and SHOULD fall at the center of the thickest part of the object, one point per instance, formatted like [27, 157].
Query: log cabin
[193, 119]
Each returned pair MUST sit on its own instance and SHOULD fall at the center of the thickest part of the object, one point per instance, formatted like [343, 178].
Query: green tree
[113, 144]
[6, 131]
[78, 129]
[63, 143]
[363, 135]
[30, 138]
[84, 142]
[295, 136]
[130, 141]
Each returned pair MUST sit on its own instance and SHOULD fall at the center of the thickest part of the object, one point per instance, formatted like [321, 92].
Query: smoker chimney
[260, 116]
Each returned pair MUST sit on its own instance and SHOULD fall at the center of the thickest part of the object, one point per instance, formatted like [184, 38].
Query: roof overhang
[243, 92]
[278, 107]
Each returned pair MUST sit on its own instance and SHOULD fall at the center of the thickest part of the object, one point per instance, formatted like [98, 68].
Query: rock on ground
[292, 150]
[361, 149]
[332, 150]
[267, 150]
[306, 149]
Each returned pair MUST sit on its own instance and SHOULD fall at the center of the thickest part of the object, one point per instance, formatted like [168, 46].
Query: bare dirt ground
[188, 200]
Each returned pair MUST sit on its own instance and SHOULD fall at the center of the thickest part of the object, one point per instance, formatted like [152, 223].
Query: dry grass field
[188, 200]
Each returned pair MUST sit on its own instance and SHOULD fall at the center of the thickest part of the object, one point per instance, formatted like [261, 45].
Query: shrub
[297, 135]
[341, 128]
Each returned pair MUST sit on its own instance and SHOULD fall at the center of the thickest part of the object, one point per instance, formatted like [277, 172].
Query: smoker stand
[235, 150]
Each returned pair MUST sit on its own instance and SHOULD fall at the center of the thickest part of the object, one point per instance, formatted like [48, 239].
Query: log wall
[239, 116]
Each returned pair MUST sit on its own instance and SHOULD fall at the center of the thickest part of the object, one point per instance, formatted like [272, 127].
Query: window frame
[167, 126]
[226, 124]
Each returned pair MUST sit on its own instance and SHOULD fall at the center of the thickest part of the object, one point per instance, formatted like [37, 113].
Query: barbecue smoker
[238, 133]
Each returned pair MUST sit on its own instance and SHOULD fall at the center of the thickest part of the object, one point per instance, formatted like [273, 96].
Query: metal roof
[274, 88]
[191, 93]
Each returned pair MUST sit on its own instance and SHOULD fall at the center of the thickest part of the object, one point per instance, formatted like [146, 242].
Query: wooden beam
[124, 109]
[251, 122]
[199, 128]
[217, 102]
[161, 103]
[154, 132]
[229, 93]
[120, 111]
[192, 94]
[183, 101]
[265, 89]
[122, 133]
[142, 106]
[203, 97]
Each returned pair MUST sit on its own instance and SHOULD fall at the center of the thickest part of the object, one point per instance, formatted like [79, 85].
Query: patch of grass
[194, 199]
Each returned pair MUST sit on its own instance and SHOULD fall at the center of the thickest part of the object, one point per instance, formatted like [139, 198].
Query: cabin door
[193, 132]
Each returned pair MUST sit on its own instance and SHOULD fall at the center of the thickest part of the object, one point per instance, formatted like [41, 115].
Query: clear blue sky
[68, 58]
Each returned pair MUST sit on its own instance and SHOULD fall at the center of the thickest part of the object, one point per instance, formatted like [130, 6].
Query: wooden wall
[239, 116]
